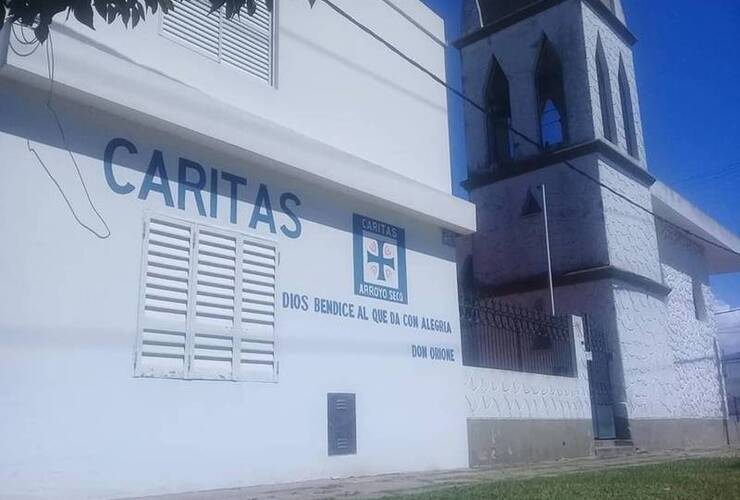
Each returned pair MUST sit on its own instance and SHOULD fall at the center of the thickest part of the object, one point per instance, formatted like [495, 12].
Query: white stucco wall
[334, 83]
[670, 367]
[360, 118]
[77, 423]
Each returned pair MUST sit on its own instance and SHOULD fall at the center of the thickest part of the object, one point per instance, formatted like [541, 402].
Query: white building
[227, 259]
[558, 82]
[223, 258]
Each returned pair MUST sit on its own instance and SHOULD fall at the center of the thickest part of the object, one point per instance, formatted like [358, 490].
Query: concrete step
[613, 448]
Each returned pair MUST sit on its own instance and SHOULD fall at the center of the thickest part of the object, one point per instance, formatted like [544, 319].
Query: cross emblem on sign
[381, 260]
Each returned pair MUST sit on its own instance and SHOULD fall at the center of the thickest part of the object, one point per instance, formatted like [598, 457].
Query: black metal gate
[507, 337]
[599, 382]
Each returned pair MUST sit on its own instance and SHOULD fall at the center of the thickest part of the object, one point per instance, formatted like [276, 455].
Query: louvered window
[244, 42]
[207, 306]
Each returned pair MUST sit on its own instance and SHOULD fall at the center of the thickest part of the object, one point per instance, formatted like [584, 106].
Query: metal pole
[722, 389]
[547, 245]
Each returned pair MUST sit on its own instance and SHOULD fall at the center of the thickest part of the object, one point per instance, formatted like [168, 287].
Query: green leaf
[2, 14]
[166, 5]
[84, 13]
[125, 14]
[101, 7]
[152, 5]
[112, 14]
[216, 4]
[42, 32]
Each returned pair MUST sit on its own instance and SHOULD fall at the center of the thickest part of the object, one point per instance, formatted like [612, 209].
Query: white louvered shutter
[163, 315]
[257, 352]
[244, 42]
[208, 305]
[214, 315]
[189, 22]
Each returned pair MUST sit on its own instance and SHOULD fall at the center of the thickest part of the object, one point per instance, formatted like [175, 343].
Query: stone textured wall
[663, 365]
[670, 367]
[590, 227]
[614, 49]
[517, 49]
[471, 18]
[504, 394]
[504, 235]
[630, 232]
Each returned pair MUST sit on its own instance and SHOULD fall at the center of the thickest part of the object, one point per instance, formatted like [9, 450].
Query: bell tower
[557, 80]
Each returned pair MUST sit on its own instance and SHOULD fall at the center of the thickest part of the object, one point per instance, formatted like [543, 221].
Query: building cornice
[535, 8]
[613, 157]
[570, 278]
[103, 79]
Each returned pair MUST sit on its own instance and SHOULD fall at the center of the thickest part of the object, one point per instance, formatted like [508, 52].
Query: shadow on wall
[116, 158]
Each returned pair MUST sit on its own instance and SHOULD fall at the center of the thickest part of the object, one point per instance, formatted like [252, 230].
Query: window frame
[497, 153]
[187, 372]
[272, 82]
[629, 119]
[606, 98]
[554, 94]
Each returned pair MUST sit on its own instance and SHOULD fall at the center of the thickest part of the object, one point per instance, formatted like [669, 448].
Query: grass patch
[703, 479]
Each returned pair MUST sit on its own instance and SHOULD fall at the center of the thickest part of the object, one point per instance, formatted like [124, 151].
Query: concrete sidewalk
[393, 484]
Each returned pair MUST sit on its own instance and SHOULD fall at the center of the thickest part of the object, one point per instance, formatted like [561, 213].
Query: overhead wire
[518, 133]
[416, 23]
[50, 66]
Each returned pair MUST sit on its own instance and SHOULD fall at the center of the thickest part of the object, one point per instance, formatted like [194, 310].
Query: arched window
[498, 107]
[605, 94]
[551, 97]
[628, 115]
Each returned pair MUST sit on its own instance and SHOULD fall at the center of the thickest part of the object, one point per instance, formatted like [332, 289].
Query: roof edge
[677, 210]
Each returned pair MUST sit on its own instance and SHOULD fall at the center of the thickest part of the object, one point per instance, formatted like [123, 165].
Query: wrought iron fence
[507, 337]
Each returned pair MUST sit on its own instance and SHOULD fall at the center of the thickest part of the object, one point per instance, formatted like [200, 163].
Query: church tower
[557, 80]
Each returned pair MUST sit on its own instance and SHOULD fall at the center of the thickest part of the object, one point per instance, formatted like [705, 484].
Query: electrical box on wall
[342, 424]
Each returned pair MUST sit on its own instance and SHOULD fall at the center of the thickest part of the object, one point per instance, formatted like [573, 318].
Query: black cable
[416, 24]
[21, 39]
[50, 66]
[483, 110]
[711, 175]
[403, 56]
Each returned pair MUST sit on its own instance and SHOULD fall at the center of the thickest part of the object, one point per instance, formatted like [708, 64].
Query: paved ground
[390, 484]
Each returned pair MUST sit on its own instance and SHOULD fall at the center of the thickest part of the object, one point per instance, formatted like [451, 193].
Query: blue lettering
[296, 231]
[108, 164]
[184, 185]
[156, 167]
[235, 181]
[262, 202]
[214, 193]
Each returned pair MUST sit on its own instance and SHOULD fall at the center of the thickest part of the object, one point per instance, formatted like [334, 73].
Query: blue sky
[688, 74]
